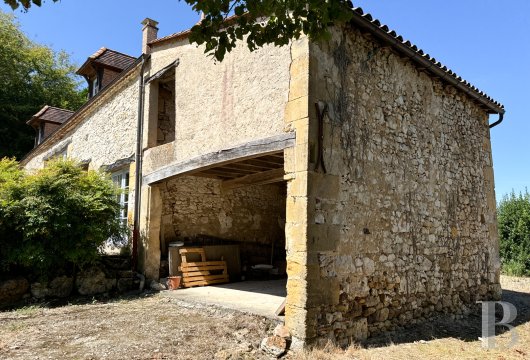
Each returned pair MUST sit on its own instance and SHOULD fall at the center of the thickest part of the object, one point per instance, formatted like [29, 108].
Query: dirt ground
[156, 327]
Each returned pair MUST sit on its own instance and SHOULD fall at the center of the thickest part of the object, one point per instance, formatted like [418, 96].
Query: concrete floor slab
[254, 297]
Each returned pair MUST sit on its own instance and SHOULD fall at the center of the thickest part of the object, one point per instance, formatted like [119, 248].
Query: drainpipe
[138, 162]
[501, 117]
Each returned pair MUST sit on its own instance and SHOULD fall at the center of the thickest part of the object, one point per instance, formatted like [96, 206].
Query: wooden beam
[281, 309]
[262, 178]
[272, 159]
[244, 166]
[220, 173]
[245, 151]
[263, 163]
[212, 176]
[233, 168]
[234, 172]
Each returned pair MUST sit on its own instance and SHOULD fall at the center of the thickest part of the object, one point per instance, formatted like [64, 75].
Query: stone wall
[403, 223]
[166, 116]
[224, 104]
[107, 132]
[198, 207]
[110, 274]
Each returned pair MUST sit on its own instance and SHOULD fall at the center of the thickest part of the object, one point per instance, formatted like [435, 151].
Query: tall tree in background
[31, 76]
[286, 20]
[513, 213]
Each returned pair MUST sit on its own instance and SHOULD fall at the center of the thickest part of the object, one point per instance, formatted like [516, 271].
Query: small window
[121, 179]
[95, 86]
[41, 133]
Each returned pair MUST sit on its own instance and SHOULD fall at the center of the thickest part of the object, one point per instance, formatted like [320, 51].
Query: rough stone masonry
[402, 225]
[389, 209]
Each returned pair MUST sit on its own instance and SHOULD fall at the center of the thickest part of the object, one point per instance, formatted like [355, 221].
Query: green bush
[513, 214]
[56, 217]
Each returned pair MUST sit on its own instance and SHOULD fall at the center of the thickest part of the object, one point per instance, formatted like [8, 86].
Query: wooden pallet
[199, 273]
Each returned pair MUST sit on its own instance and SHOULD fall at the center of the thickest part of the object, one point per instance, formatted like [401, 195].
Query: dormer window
[94, 86]
[40, 135]
[102, 67]
[47, 121]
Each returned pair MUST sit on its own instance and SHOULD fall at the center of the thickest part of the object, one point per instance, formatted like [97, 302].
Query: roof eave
[85, 68]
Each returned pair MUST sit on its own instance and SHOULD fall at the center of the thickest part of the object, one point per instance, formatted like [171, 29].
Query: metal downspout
[501, 117]
[138, 162]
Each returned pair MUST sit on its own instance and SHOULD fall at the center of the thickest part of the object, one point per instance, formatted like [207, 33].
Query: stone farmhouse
[360, 165]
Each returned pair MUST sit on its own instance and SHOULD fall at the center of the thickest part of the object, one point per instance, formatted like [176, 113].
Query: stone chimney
[149, 33]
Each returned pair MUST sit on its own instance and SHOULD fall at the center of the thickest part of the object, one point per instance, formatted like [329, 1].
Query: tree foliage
[513, 214]
[32, 76]
[58, 216]
[286, 20]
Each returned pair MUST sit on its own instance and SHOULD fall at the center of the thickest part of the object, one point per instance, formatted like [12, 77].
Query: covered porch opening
[234, 209]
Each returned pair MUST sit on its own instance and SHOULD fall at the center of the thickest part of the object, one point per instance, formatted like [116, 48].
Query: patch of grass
[328, 352]
[28, 310]
[515, 268]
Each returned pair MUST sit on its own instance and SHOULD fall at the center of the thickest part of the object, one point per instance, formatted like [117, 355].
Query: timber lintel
[241, 152]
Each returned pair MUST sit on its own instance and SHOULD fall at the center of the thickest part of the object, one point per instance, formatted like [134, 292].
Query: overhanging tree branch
[227, 22]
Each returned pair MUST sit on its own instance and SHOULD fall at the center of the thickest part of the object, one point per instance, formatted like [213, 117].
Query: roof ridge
[121, 53]
[41, 111]
[98, 53]
[58, 108]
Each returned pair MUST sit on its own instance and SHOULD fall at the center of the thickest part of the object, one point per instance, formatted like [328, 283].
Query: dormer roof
[107, 58]
[50, 114]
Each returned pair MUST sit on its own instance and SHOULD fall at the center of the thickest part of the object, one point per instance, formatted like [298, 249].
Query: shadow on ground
[467, 329]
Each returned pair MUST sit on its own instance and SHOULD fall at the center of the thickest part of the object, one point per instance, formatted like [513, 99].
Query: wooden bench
[199, 273]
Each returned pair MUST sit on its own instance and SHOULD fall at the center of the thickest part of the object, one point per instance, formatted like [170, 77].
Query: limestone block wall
[224, 104]
[106, 133]
[195, 206]
[403, 223]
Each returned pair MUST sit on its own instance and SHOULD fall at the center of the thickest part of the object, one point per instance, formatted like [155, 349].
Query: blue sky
[484, 41]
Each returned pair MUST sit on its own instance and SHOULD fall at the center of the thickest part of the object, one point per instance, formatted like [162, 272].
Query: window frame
[95, 85]
[121, 178]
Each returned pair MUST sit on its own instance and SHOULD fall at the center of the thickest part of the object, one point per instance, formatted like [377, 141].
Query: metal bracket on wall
[321, 108]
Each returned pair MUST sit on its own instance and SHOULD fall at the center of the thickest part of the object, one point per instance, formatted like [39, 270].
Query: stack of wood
[200, 273]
